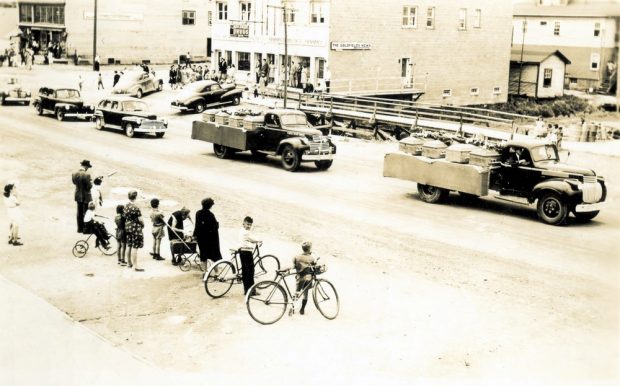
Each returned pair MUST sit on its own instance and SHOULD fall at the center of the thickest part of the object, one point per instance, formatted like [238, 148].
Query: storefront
[43, 27]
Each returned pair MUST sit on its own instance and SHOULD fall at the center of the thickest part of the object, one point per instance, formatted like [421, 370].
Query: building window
[316, 13]
[497, 90]
[222, 11]
[289, 16]
[556, 28]
[462, 24]
[410, 16]
[243, 61]
[474, 91]
[210, 18]
[42, 13]
[430, 17]
[446, 92]
[477, 18]
[597, 29]
[543, 22]
[595, 61]
[189, 17]
[547, 77]
[246, 10]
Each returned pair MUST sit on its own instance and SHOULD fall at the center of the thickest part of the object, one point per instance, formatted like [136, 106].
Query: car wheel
[236, 100]
[160, 86]
[552, 209]
[139, 93]
[199, 107]
[323, 165]
[290, 158]
[99, 123]
[221, 151]
[431, 194]
[60, 115]
[129, 130]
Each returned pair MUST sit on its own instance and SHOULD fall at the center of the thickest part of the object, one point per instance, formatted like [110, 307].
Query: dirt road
[476, 292]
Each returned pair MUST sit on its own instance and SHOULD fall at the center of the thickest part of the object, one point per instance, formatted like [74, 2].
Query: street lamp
[95, 36]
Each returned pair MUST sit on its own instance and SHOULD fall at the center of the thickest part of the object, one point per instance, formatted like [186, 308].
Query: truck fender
[559, 186]
[296, 142]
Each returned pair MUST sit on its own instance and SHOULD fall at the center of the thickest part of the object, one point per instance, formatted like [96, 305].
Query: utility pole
[94, 35]
[285, 19]
[521, 60]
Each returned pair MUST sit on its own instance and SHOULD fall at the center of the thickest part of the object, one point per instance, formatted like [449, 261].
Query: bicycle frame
[281, 279]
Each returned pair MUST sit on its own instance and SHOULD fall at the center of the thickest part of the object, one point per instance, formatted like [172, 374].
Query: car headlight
[165, 122]
[139, 121]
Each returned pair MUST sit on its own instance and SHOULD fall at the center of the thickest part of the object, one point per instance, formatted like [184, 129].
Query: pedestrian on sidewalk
[119, 220]
[80, 82]
[157, 219]
[14, 213]
[100, 82]
[264, 77]
[133, 230]
[81, 180]
[206, 232]
[97, 63]
[117, 77]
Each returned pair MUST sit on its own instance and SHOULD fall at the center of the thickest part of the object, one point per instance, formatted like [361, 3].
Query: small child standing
[95, 192]
[157, 217]
[120, 235]
[246, 253]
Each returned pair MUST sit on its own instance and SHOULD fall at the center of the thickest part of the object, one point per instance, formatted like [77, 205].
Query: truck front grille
[592, 191]
[321, 146]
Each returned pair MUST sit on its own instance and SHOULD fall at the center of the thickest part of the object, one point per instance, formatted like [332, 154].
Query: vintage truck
[525, 172]
[279, 132]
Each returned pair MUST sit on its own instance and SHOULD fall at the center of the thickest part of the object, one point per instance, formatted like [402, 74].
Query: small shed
[537, 74]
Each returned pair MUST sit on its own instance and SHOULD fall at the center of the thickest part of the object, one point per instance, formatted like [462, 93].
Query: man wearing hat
[81, 180]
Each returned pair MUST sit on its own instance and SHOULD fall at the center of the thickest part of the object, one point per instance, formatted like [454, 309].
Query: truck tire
[290, 158]
[221, 151]
[323, 165]
[585, 216]
[431, 194]
[552, 209]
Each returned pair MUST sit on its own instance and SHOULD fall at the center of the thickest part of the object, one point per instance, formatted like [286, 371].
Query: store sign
[239, 30]
[339, 46]
[114, 16]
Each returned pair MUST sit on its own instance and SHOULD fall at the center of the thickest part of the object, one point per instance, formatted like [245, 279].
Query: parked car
[63, 103]
[12, 92]
[137, 83]
[197, 96]
[131, 115]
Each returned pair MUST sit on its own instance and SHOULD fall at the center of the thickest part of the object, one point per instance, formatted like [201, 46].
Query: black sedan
[131, 115]
[206, 93]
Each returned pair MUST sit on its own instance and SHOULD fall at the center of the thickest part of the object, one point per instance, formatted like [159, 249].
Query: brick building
[127, 31]
[585, 31]
[457, 52]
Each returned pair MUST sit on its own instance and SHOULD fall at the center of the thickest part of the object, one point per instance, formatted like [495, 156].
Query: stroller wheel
[184, 264]
[80, 248]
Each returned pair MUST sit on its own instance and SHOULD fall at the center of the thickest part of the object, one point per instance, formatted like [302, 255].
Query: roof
[571, 10]
[536, 56]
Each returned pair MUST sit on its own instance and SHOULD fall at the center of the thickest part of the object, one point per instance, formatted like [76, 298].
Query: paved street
[480, 292]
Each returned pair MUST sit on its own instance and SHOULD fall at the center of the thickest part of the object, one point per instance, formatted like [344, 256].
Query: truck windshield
[544, 153]
[293, 119]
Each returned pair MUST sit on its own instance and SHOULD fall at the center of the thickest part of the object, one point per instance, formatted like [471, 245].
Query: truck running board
[513, 199]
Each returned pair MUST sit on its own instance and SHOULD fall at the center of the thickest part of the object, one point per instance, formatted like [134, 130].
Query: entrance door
[406, 72]
[209, 47]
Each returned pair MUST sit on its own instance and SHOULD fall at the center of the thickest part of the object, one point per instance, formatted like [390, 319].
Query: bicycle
[81, 246]
[222, 275]
[269, 304]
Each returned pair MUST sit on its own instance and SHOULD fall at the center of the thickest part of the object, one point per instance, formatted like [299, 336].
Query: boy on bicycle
[304, 264]
[246, 253]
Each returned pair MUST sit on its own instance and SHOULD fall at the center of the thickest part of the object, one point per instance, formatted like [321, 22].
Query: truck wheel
[60, 115]
[129, 131]
[552, 209]
[323, 165]
[586, 216]
[290, 158]
[199, 107]
[221, 151]
[431, 194]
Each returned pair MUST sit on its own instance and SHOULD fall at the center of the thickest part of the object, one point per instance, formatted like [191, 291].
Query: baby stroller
[100, 232]
[185, 251]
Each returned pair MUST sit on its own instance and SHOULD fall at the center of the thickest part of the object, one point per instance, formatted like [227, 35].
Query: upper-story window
[410, 16]
[222, 11]
[189, 17]
[430, 17]
[556, 28]
[245, 9]
[210, 18]
[597, 29]
[289, 15]
[316, 13]
[477, 18]
[42, 13]
[595, 61]
[462, 23]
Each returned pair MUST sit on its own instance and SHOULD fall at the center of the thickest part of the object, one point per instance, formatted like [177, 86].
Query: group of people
[180, 75]
[553, 132]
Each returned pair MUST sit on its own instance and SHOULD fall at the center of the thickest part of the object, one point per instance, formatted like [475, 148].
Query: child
[246, 253]
[120, 234]
[14, 213]
[302, 264]
[157, 217]
[95, 192]
[93, 226]
[255, 92]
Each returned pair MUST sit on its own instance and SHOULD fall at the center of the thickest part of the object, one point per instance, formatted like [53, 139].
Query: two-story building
[456, 52]
[585, 31]
[127, 31]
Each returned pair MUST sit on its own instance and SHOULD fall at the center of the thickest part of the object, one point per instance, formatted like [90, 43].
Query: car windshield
[544, 153]
[293, 119]
[196, 86]
[135, 106]
[66, 93]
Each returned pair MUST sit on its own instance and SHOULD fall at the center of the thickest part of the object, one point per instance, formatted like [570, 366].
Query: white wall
[574, 32]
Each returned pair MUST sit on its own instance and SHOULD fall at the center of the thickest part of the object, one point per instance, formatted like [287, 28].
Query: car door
[518, 178]
[216, 93]
[272, 134]
[48, 101]
[114, 114]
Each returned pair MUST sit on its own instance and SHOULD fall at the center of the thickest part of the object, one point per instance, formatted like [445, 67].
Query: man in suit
[82, 181]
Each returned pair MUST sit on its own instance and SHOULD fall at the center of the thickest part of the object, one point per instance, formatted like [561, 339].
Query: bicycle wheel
[326, 298]
[80, 248]
[219, 279]
[112, 243]
[266, 302]
[266, 266]
[185, 264]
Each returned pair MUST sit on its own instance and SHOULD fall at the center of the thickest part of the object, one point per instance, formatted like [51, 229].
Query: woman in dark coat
[206, 232]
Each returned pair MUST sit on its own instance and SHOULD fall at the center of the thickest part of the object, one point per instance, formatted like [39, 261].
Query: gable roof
[571, 10]
[536, 56]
